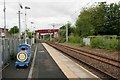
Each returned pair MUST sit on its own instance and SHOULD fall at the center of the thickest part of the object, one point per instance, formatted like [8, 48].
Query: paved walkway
[45, 66]
[12, 72]
[69, 67]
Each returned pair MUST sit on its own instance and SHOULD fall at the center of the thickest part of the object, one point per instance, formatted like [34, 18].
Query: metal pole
[25, 27]
[4, 19]
[34, 35]
[53, 30]
[31, 34]
[50, 35]
[19, 12]
[67, 33]
[32, 31]
[19, 22]
[26, 24]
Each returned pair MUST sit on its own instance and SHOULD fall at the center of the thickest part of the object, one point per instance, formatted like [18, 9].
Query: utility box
[86, 41]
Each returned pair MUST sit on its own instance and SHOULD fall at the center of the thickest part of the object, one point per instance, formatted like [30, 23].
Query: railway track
[105, 65]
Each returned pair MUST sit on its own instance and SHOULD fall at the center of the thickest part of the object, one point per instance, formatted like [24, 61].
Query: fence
[0, 59]
[8, 48]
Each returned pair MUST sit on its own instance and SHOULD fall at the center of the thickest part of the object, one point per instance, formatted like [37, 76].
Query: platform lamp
[19, 20]
[67, 32]
[32, 31]
[26, 23]
[32, 28]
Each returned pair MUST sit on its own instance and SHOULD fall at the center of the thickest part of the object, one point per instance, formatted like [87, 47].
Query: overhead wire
[80, 8]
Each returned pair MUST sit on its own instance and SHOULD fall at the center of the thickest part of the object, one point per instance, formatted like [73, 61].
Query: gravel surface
[115, 55]
[112, 70]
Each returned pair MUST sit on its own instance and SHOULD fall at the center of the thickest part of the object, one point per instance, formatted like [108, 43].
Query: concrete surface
[45, 67]
[69, 67]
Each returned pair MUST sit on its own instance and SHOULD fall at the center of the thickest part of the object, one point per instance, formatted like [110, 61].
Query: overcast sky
[44, 12]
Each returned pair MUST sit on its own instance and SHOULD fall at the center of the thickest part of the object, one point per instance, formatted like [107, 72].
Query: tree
[14, 30]
[29, 34]
[98, 19]
[84, 26]
[112, 19]
[102, 19]
[62, 32]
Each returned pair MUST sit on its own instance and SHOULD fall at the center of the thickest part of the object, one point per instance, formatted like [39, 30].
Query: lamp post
[32, 28]
[19, 20]
[32, 32]
[33, 35]
[26, 24]
[4, 10]
[53, 30]
[67, 33]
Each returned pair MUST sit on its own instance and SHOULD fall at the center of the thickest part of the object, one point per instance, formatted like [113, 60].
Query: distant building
[2, 34]
[53, 32]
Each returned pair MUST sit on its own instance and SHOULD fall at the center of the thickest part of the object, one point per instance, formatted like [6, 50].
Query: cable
[80, 8]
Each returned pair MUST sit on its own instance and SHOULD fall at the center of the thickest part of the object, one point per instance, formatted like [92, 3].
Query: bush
[104, 43]
[62, 40]
[76, 39]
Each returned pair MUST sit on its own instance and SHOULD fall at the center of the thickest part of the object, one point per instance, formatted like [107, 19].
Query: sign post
[3, 35]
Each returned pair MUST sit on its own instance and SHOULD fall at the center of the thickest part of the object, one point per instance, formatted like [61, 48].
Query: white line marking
[33, 62]
[87, 71]
[41, 51]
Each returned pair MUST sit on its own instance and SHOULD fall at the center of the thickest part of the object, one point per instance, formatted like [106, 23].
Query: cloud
[44, 12]
[37, 0]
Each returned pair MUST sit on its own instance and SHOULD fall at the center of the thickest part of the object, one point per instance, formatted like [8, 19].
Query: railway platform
[48, 63]
[70, 68]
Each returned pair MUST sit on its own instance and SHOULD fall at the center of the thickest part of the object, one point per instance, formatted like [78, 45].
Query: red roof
[46, 30]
